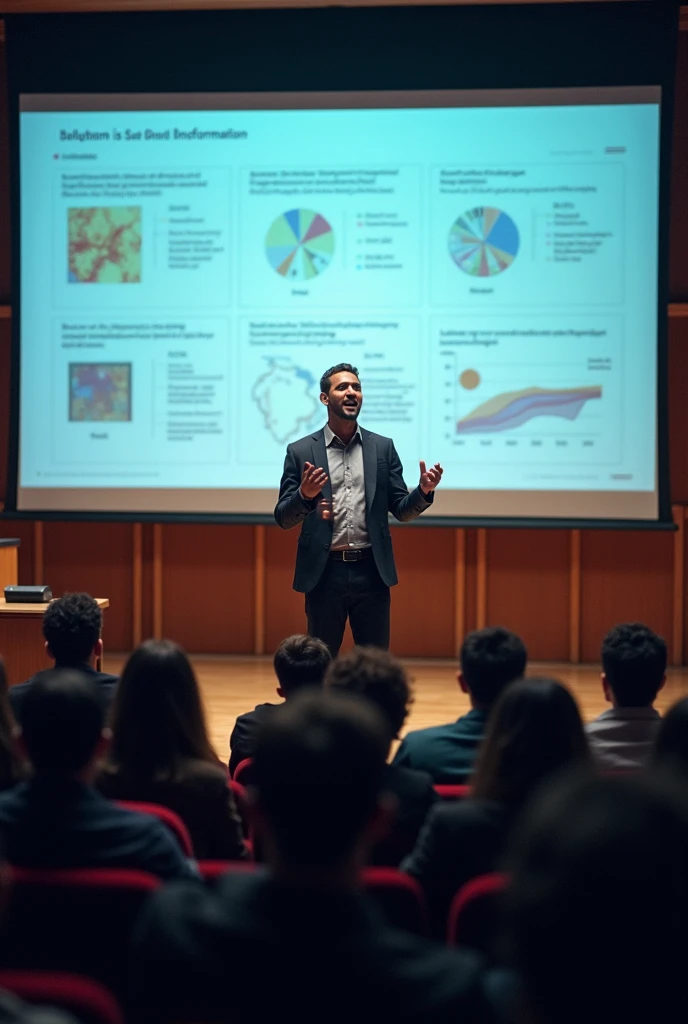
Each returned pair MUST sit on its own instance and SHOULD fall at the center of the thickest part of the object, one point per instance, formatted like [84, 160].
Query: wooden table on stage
[21, 638]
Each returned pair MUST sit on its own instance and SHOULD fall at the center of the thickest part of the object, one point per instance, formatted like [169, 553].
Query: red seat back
[168, 817]
[458, 792]
[86, 999]
[474, 912]
[399, 897]
[78, 920]
[211, 870]
[243, 772]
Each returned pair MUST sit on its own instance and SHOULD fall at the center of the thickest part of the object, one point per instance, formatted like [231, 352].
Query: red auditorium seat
[243, 772]
[458, 792]
[399, 897]
[474, 912]
[168, 817]
[77, 920]
[211, 870]
[84, 998]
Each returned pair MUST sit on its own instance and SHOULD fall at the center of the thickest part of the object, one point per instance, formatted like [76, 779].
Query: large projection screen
[489, 259]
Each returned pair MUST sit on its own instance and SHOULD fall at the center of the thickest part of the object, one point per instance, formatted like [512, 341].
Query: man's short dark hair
[301, 661]
[376, 676]
[318, 768]
[491, 659]
[62, 719]
[72, 625]
[326, 379]
[634, 660]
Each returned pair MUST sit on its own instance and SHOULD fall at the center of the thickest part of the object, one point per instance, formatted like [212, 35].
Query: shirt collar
[621, 714]
[330, 436]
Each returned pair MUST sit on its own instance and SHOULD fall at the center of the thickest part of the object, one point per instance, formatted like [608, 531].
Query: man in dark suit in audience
[72, 627]
[490, 659]
[379, 677]
[57, 819]
[299, 661]
[301, 939]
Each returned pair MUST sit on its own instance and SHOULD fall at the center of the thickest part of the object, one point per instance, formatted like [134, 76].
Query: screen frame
[31, 63]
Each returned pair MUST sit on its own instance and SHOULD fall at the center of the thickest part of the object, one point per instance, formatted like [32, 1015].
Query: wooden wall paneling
[5, 371]
[259, 591]
[481, 579]
[136, 584]
[459, 588]
[208, 584]
[97, 558]
[284, 608]
[678, 406]
[575, 596]
[424, 600]
[678, 231]
[527, 588]
[625, 576]
[22, 528]
[471, 579]
[679, 516]
[38, 555]
[157, 581]
[685, 592]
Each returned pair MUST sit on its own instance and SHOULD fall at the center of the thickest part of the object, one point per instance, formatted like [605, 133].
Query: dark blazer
[331, 958]
[461, 840]
[446, 752]
[242, 742]
[385, 492]
[415, 795]
[70, 825]
[199, 794]
[107, 685]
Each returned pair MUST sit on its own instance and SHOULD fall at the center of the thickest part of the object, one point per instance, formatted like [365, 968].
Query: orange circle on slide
[469, 379]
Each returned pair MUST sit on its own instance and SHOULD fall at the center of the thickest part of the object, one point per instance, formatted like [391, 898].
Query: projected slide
[188, 272]
[483, 242]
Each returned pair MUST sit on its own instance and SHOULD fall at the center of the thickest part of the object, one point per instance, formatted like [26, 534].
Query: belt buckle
[346, 553]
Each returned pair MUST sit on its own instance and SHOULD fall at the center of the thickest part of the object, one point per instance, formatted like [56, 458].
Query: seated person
[535, 730]
[669, 754]
[71, 627]
[299, 661]
[160, 751]
[12, 766]
[490, 659]
[57, 819]
[379, 677]
[331, 956]
[595, 916]
[634, 661]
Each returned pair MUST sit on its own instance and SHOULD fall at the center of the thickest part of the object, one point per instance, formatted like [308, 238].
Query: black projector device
[28, 595]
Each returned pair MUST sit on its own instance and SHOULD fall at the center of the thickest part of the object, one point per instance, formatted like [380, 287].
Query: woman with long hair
[670, 750]
[12, 768]
[535, 730]
[161, 753]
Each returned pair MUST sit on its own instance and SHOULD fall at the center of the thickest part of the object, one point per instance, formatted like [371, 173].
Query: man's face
[345, 398]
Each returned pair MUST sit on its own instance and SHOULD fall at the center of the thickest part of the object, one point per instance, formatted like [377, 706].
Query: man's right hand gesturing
[312, 481]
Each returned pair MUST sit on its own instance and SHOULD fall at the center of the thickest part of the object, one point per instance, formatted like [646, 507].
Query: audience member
[160, 751]
[670, 751]
[379, 677]
[634, 661]
[299, 661]
[330, 956]
[12, 766]
[57, 818]
[72, 625]
[595, 916]
[535, 730]
[490, 659]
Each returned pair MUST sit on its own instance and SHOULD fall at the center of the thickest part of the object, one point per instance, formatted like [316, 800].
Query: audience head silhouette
[62, 725]
[378, 677]
[72, 625]
[671, 743]
[596, 911]
[157, 714]
[318, 770]
[300, 661]
[489, 660]
[634, 661]
[535, 730]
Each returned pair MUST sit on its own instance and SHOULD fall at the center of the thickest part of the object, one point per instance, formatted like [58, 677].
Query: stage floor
[232, 685]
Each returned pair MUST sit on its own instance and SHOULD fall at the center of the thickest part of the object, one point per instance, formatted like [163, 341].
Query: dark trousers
[354, 590]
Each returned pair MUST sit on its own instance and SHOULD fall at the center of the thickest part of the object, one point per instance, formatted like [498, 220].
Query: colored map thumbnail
[100, 392]
[104, 245]
[285, 395]
[513, 408]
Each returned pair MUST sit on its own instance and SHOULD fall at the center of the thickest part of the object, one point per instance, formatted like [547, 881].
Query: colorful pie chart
[299, 244]
[483, 241]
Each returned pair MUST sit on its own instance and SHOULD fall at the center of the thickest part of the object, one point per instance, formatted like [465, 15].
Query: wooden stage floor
[232, 685]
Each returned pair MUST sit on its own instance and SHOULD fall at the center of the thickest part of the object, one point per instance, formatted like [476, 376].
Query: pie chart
[483, 241]
[299, 244]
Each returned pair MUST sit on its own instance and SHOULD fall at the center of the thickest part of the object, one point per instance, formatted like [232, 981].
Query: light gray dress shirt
[621, 739]
[345, 468]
